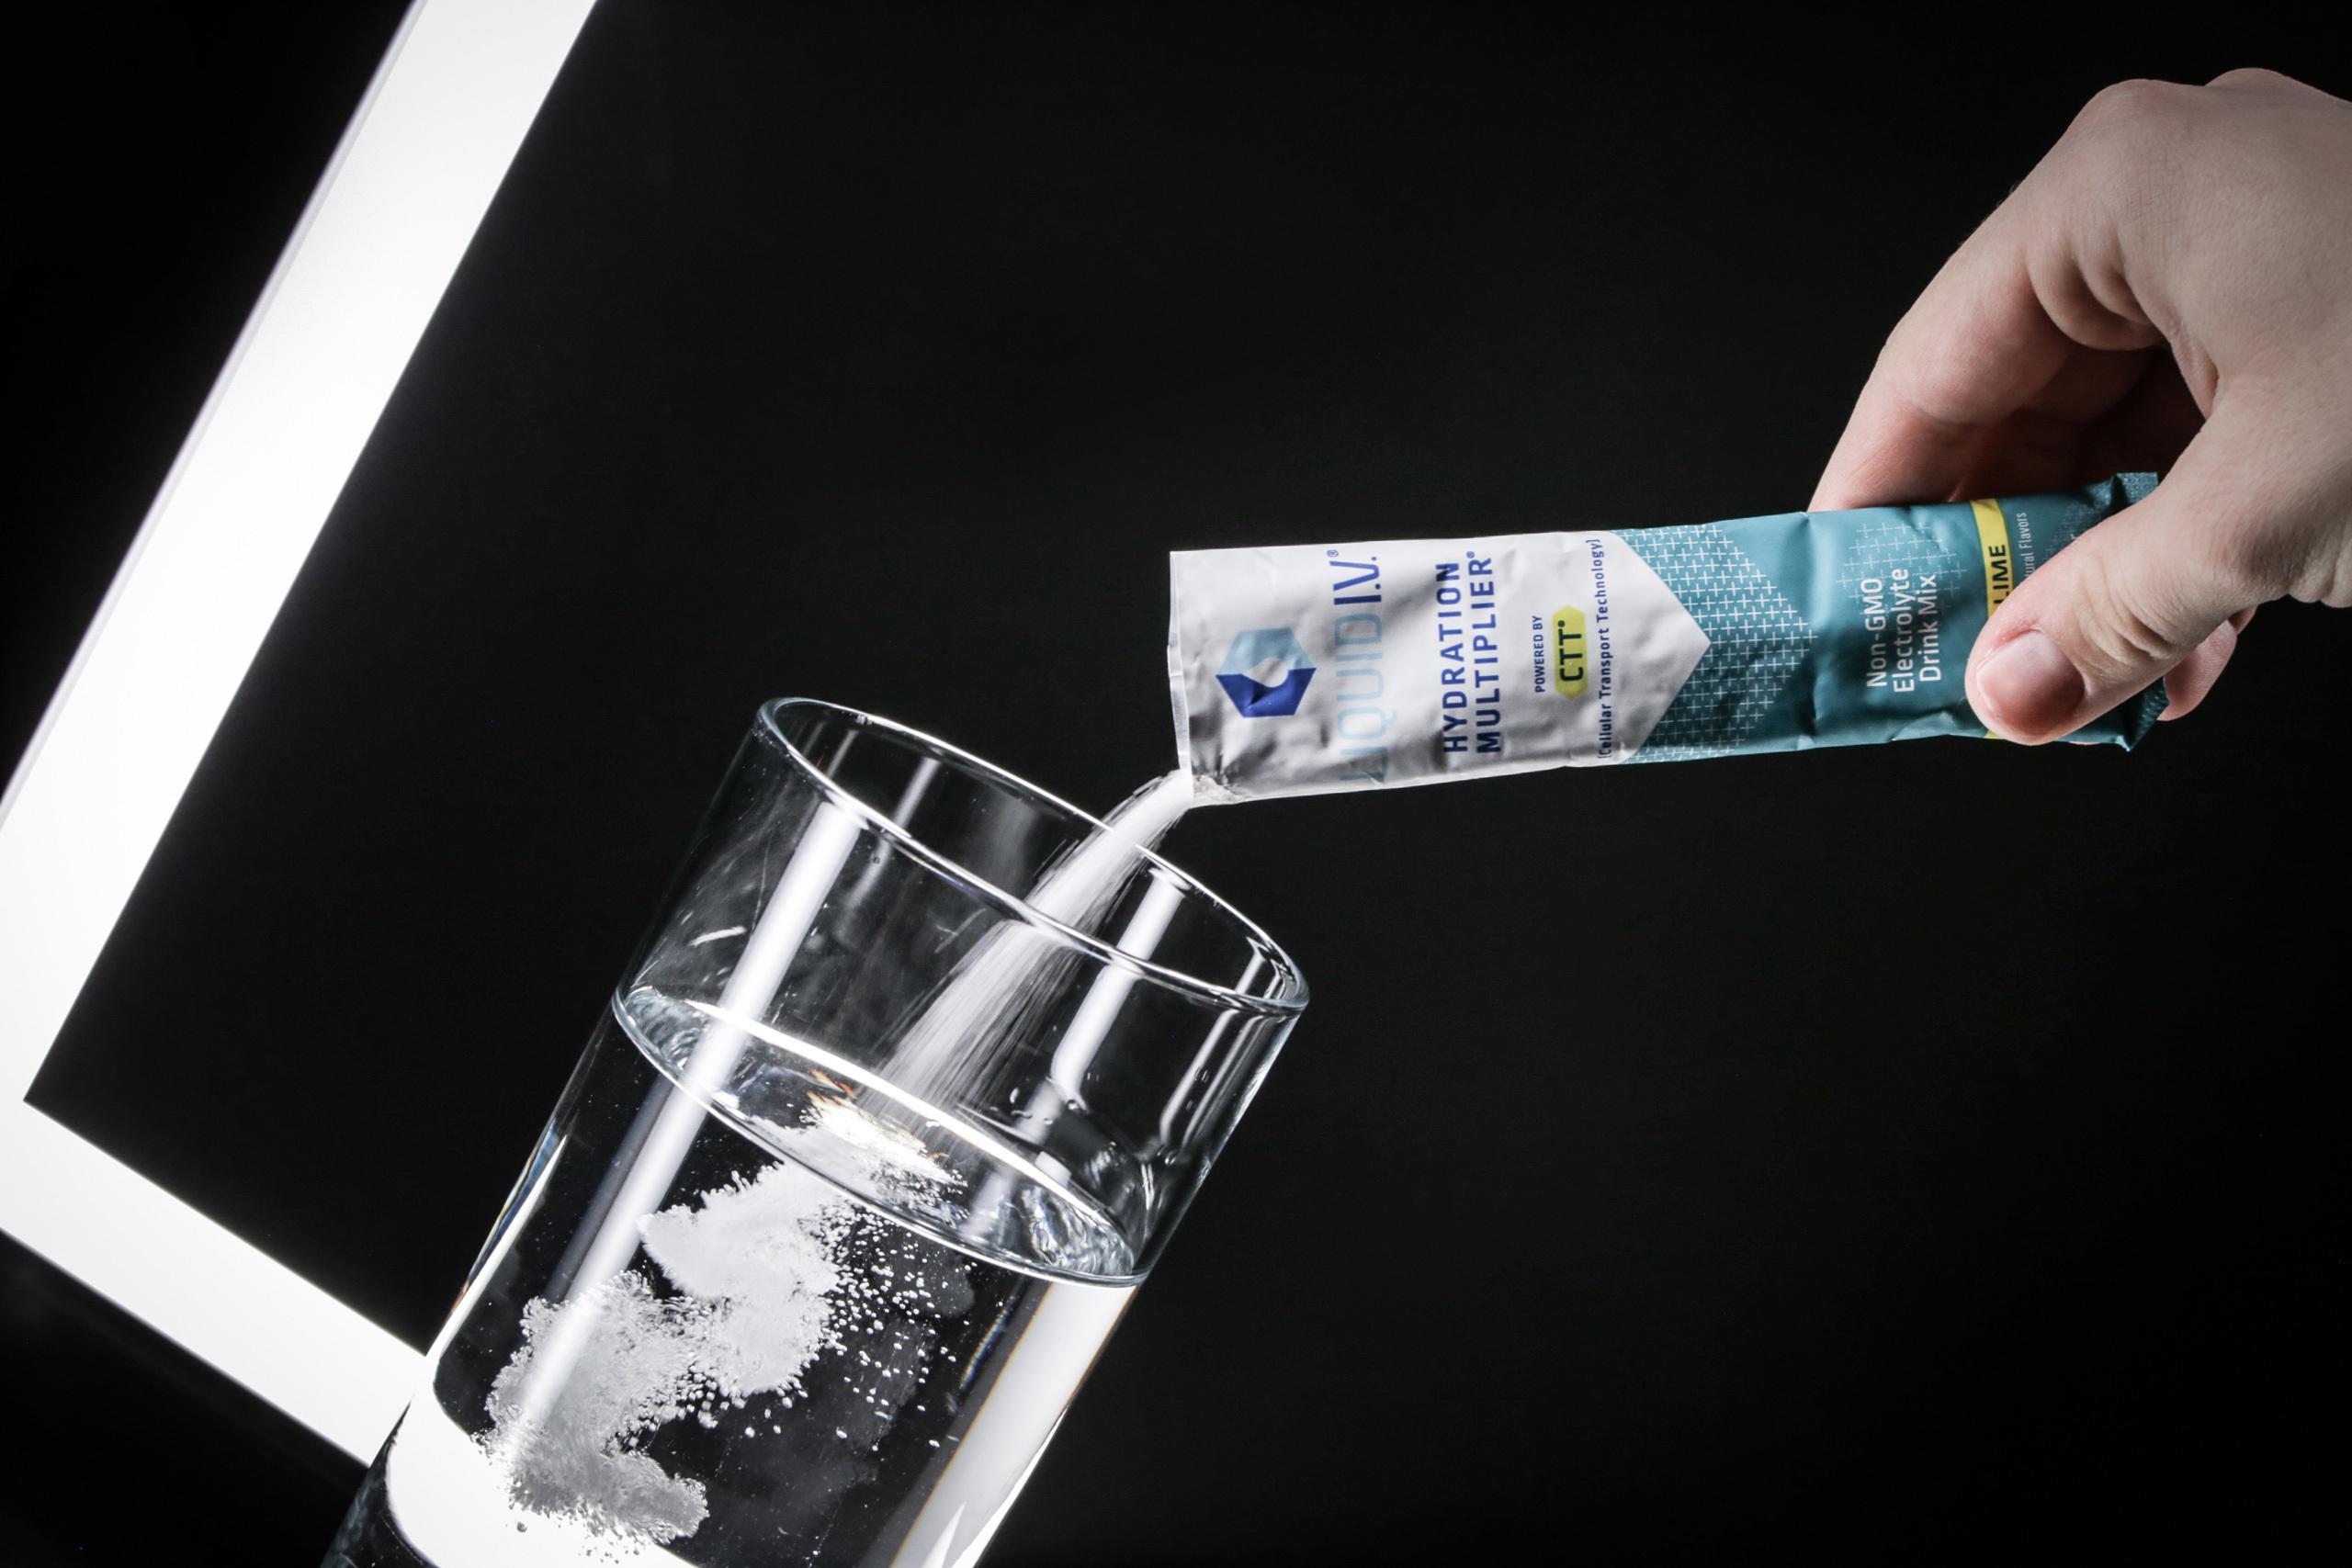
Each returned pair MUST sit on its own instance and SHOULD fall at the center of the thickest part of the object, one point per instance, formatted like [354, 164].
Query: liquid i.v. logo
[1265, 673]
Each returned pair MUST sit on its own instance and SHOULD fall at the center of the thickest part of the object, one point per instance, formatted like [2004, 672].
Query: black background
[1881, 1150]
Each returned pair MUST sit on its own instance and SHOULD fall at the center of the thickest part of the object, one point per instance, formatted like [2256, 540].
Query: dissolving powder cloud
[762, 1291]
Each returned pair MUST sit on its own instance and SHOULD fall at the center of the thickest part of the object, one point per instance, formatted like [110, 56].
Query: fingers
[2189, 680]
[2193, 678]
[1974, 349]
[2098, 405]
[2145, 432]
[2033, 316]
[2205, 218]
[2150, 593]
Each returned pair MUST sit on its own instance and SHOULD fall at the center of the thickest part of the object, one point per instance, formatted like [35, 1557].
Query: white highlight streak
[816, 865]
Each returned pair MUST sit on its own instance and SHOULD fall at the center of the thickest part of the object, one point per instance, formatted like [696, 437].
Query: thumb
[2114, 611]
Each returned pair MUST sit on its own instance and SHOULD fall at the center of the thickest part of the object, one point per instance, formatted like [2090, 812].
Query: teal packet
[1308, 668]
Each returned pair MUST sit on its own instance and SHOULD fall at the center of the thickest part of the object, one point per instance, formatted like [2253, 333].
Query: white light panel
[269, 453]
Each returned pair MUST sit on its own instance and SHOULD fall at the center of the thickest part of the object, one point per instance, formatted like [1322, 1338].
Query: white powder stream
[995, 981]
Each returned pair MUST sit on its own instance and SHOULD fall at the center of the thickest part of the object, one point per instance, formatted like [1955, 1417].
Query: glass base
[368, 1539]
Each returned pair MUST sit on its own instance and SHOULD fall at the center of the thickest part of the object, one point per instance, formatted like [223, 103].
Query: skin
[2170, 289]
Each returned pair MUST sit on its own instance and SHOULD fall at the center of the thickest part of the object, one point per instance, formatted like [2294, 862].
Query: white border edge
[277, 439]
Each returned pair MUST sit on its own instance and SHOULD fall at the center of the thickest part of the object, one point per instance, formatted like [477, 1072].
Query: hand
[2170, 289]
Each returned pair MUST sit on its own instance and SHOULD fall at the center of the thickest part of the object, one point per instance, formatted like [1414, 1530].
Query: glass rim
[1292, 1002]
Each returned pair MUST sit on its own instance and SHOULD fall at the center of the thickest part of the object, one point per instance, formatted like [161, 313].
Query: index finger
[1973, 350]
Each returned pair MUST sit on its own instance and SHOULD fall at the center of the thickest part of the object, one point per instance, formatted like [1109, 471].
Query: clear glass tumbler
[892, 1111]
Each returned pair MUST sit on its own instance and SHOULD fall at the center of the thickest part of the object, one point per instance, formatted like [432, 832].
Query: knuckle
[2135, 104]
[2124, 122]
[2251, 76]
[1940, 391]
[2119, 628]
[2124, 149]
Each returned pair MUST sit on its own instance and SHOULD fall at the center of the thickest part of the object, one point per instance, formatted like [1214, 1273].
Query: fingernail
[2029, 687]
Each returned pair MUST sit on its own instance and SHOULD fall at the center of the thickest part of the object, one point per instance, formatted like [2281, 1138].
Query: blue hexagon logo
[1265, 673]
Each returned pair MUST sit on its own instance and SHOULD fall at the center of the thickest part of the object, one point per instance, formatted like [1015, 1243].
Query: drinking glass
[893, 1110]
